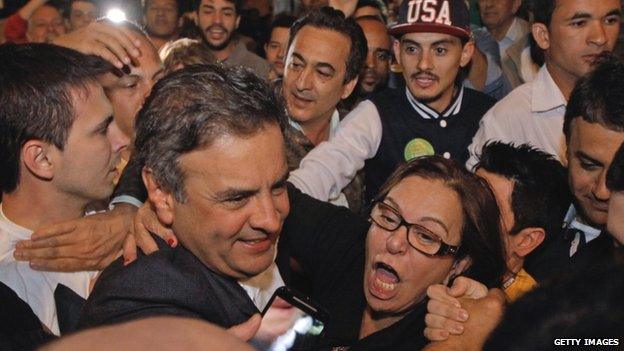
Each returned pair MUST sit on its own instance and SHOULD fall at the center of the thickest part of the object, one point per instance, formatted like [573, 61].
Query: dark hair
[589, 304]
[283, 20]
[598, 97]
[329, 18]
[39, 83]
[378, 4]
[542, 13]
[615, 174]
[481, 236]
[190, 108]
[238, 5]
[540, 195]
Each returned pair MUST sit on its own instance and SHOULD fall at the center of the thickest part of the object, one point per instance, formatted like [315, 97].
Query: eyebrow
[234, 192]
[437, 42]
[299, 57]
[318, 64]
[160, 71]
[581, 154]
[422, 219]
[104, 124]
[586, 15]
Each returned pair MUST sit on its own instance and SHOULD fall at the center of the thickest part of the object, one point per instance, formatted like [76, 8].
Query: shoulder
[516, 105]
[478, 99]
[306, 211]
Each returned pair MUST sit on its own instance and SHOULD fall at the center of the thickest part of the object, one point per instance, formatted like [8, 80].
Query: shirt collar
[546, 95]
[515, 31]
[333, 123]
[573, 221]
[427, 112]
[261, 287]
[20, 232]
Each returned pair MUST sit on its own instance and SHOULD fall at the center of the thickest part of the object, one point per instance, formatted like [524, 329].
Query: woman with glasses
[433, 220]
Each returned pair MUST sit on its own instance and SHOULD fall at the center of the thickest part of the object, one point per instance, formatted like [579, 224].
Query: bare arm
[27, 10]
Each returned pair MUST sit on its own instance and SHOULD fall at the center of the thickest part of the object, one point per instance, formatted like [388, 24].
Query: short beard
[428, 100]
[217, 47]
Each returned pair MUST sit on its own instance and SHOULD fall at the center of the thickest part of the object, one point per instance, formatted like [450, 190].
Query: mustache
[424, 74]
[306, 95]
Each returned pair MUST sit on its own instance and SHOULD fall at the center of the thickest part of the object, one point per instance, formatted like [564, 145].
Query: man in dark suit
[594, 130]
[215, 173]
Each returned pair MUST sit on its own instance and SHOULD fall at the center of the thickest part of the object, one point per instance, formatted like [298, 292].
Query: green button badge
[418, 147]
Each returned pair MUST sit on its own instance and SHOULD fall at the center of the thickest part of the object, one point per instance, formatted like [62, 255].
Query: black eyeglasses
[419, 237]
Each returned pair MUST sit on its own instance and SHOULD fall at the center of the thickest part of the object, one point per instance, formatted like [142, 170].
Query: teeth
[384, 285]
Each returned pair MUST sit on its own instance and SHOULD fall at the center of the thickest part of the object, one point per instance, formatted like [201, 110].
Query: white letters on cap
[427, 11]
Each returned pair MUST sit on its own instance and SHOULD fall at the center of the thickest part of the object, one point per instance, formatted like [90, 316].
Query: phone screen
[287, 327]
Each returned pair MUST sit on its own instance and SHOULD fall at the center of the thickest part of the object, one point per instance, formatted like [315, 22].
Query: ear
[541, 35]
[38, 157]
[527, 240]
[467, 52]
[161, 199]
[564, 159]
[348, 88]
[238, 18]
[458, 268]
[516, 6]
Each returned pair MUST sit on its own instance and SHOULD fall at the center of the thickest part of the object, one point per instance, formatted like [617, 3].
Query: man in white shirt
[572, 34]
[58, 154]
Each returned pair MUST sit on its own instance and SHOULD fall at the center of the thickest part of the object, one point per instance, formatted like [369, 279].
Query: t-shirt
[34, 287]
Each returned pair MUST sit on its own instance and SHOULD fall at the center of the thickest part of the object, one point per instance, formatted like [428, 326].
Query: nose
[600, 190]
[397, 241]
[281, 52]
[304, 79]
[117, 138]
[598, 34]
[216, 17]
[370, 58]
[425, 64]
[266, 217]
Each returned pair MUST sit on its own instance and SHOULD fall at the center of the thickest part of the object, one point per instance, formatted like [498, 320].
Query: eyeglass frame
[443, 250]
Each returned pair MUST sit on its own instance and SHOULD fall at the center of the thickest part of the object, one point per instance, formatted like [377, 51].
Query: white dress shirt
[532, 113]
[34, 287]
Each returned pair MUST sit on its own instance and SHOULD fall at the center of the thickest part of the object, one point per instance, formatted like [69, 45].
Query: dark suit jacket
[171, 281]
[554, 259]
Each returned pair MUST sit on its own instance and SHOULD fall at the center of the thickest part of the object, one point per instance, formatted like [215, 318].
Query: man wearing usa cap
[432, 114]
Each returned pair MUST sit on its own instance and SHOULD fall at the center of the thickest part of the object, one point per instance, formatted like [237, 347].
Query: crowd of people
[434, 174]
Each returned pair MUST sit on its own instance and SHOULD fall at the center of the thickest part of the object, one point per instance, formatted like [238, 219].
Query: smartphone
[290, 321]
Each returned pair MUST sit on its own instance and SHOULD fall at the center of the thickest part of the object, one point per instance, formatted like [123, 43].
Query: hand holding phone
[291, 321]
